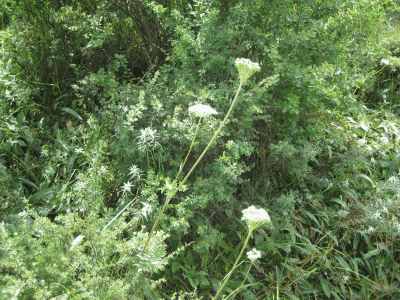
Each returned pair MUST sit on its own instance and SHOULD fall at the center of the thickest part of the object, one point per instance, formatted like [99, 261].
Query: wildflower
[246, 68]
[45, 152]
[148, 139]
[79, 150]
[254, 254]
[255, 217]
[127, 187]
[201, 110]
[103, 170]
[135, 172]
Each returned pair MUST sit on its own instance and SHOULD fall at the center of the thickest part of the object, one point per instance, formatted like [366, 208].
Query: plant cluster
[145, 147]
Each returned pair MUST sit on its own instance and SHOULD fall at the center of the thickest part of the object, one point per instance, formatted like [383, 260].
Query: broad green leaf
[204, 281]
[175, 266]
[21, 118]
[215, 284]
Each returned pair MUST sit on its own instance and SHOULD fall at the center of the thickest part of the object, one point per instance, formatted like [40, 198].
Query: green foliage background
[94, 121]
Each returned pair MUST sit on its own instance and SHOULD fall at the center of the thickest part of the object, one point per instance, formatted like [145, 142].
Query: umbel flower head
[254, 254]
[201, 110]
[246, 68]
[255, 217]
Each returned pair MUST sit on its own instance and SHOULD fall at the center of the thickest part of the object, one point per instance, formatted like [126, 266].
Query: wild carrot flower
[201, 110]
[246, 68]
[255, 217]
[254, 254]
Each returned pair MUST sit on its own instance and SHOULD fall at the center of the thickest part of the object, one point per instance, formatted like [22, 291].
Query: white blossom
[254, 254]
[148, 139]
[135, 173]
[246, 68]
[201, 110]
[255, 217]
[79, 150]
[127, 187]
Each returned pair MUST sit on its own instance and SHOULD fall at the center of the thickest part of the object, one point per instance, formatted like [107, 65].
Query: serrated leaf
[189, 258]
[194, 282]
[71, 112]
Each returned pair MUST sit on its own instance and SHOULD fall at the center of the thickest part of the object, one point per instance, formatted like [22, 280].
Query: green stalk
[194, 166]
[234, 266]
[187, 155]
[238, 289]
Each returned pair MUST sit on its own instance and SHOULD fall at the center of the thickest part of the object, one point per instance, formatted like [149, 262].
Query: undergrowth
[97, 142]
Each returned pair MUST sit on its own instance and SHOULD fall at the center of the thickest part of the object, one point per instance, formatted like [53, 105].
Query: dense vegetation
[96, 142]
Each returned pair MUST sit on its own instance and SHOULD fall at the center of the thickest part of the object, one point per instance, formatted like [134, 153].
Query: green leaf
[342, 262]
[312, 217]
[291, 296]
[204, 281]
[28, 182]
[70, 162]
[20, 118]
[175, 266]
[325, 287]
[356, 241]
[225, 245]
[194, 282]
[22, 143]
[355, 268]
[189, 258]
[41, 195]
[72, 112]
[215, 284]
[367, 178]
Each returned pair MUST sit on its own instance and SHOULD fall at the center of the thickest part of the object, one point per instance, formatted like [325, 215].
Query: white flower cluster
[246, 68]
[255, 217]
[147, 139]
[254, 254]
[201, 110]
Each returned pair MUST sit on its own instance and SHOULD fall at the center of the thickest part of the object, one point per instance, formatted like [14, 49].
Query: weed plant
[115, 185]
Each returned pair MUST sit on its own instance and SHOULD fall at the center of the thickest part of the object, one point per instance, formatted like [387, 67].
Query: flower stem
[191, 146]
[194, 166]
[244, 279]
[234, 266]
